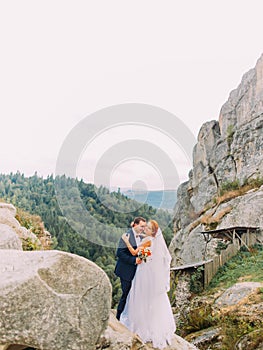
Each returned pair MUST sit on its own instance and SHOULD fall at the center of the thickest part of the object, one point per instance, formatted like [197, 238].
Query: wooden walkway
[190, 266]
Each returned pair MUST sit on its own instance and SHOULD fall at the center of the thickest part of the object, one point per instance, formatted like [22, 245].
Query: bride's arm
[128, 244]
[146, 243]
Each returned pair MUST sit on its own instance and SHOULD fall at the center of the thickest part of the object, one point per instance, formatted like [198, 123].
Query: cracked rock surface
[52, 300]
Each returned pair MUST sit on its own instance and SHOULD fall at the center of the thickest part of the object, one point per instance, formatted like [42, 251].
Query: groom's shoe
[118, 315]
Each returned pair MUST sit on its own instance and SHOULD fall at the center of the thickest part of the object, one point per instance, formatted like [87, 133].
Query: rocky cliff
[225, 184]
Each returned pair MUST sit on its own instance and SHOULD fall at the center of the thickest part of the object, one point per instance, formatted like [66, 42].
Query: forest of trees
[81, 218]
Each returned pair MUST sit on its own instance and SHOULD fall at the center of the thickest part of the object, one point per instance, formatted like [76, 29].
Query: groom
[127, 263]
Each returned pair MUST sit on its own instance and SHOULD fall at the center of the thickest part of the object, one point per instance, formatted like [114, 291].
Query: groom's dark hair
[137, 220]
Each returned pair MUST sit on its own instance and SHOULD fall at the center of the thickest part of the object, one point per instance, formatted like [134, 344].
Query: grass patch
[245, 266]
[199, 318]
[234, 327]
[211, 222]
[230, 134]
[33, 223]
[229, 190]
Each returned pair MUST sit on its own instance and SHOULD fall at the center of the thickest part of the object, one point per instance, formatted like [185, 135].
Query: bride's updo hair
[155, 227]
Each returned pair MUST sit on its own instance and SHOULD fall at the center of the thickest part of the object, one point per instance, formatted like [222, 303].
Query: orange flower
[144, 253]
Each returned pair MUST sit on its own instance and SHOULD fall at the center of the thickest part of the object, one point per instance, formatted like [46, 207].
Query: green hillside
[92, 220]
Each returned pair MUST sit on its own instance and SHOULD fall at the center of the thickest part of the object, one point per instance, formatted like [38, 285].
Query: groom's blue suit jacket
[126, 263]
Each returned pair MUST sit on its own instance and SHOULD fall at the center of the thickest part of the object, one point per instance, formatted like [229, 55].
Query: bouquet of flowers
[144, 253]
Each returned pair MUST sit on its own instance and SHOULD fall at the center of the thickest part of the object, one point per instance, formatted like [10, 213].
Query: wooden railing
[211, 268]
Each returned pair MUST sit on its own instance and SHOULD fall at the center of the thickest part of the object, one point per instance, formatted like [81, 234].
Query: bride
[148, 312]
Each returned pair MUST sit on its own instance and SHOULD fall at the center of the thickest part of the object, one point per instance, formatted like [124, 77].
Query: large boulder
[52, 300]
[237, 294]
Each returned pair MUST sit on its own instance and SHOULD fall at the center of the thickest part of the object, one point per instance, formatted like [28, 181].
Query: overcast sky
[64, 60]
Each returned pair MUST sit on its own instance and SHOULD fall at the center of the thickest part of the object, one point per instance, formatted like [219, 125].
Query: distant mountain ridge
[162, 199]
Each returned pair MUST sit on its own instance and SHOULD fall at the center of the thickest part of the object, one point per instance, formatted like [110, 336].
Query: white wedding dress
[148, 311]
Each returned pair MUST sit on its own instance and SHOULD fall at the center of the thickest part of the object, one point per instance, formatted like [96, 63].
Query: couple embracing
[143, 266]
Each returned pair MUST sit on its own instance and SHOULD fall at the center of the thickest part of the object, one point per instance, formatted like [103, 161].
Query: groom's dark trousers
[125, 269]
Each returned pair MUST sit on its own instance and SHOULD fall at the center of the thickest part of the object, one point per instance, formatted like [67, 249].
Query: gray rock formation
[52, 300]
[188, 245]
[12, 231]
[252, 339]
[8, 238]
[237, 293]
[118, 337]
[228, 151]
